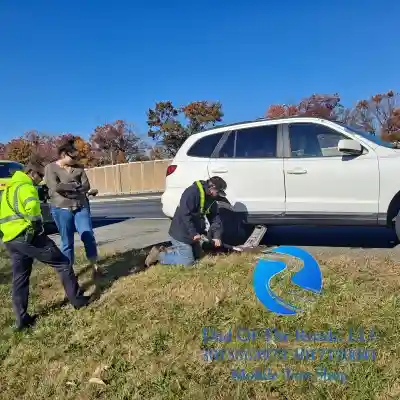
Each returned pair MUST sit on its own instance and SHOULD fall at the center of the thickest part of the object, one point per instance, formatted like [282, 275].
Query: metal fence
[134, 177]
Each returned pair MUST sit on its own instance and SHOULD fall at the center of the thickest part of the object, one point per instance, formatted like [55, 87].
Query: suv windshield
[7, 169]
[373, 138]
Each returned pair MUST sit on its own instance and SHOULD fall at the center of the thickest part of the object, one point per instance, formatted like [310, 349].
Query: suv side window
[205, 146]
[255, 142]
[314, 140]
[228, 148]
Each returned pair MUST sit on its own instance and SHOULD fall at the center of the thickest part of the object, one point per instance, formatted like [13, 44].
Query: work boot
[28, 322]
[97, 271]
[152, 257]
[84, 301]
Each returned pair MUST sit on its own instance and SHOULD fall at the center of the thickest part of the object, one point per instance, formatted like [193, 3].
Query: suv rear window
[205, 146]
[254, 142]
[7, 169]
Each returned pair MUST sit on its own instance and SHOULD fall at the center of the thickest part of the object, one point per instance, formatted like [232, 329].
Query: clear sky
[69, 65]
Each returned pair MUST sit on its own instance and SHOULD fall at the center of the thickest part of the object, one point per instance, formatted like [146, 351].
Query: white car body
[286, 185]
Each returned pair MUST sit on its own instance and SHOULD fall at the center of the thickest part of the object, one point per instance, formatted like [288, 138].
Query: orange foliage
[317, 105]
[381, 113]
[19, 150]
[117, 142]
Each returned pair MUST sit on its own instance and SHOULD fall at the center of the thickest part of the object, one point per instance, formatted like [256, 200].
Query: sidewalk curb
[108, 200]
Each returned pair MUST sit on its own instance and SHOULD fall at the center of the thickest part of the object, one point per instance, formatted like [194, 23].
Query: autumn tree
[165, 126]
[31, 145]
[19, 150]
[88, 157]
[317, 105]
[2, 151]
[117, 143]
[158, 152]
[380, 114]
[391, 132]
[43, 146]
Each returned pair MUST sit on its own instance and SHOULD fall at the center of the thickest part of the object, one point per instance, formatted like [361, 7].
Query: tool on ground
[250, 246]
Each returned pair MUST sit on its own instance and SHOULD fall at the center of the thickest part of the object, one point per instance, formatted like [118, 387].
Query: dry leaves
[96, 377]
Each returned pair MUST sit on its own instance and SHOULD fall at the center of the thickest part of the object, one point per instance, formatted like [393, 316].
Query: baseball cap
[219, 184]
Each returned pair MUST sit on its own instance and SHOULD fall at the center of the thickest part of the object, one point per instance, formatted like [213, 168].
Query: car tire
[235, 226]
[397, 226]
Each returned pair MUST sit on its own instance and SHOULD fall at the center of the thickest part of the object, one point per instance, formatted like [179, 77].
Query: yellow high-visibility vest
[19, 206]
[203, 199]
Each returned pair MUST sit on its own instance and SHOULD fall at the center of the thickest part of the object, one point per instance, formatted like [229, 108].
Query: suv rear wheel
[397, 226]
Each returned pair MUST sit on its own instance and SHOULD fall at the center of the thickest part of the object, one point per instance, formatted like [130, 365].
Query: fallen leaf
[96, 380]
[99, 370]
[218, 300]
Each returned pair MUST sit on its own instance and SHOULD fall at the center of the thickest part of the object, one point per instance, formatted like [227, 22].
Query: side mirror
[350, 146]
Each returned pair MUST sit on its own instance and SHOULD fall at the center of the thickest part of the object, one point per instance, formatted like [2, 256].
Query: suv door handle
[219, 171]
[297, 171]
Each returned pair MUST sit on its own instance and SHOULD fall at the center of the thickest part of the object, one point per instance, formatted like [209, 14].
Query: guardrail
[129, 178]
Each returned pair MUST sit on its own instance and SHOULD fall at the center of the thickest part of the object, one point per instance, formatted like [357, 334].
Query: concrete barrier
[129, 178]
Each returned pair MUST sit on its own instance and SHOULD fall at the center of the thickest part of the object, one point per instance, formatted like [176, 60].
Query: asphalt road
[150, 208]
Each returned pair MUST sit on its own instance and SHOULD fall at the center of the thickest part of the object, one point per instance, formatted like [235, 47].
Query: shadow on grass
[5, 269]
[117, 266]
[5, 277]
[120, 265]
[352, 237]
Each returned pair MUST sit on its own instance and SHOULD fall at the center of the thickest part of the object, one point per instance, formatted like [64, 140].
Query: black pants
[43, 249]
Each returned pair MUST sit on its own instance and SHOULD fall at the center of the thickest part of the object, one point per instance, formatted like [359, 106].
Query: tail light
[171, 169]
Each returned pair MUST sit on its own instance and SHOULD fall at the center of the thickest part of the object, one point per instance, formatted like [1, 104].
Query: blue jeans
[180, 253]
[81, 220]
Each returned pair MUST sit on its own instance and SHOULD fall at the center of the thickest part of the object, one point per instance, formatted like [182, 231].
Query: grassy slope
[143, 336]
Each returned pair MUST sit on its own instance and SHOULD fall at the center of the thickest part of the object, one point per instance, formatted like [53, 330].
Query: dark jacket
[188, 222]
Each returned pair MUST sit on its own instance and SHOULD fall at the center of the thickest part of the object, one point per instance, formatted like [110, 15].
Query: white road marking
[127, 217]
[115, 199]
[151, 218]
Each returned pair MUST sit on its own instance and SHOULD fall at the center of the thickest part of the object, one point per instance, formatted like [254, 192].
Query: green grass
[142, 337]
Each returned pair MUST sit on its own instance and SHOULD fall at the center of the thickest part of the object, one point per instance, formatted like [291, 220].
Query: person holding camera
[69, 188]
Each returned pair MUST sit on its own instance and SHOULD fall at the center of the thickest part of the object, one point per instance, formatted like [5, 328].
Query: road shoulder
[127, 235]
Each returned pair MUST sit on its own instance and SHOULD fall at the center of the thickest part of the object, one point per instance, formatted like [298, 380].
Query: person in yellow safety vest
[24, 238]
[188, 224]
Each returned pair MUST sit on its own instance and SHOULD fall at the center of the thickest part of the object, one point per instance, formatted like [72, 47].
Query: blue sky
[68, 66]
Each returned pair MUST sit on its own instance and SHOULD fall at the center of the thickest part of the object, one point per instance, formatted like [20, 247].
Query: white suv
[294, 171]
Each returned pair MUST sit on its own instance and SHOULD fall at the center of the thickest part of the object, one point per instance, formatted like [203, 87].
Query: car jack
[250, 246]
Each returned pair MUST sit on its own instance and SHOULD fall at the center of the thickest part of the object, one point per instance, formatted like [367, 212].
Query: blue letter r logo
[308, 278]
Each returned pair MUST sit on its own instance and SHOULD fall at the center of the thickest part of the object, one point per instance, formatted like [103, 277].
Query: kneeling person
[188, 224]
